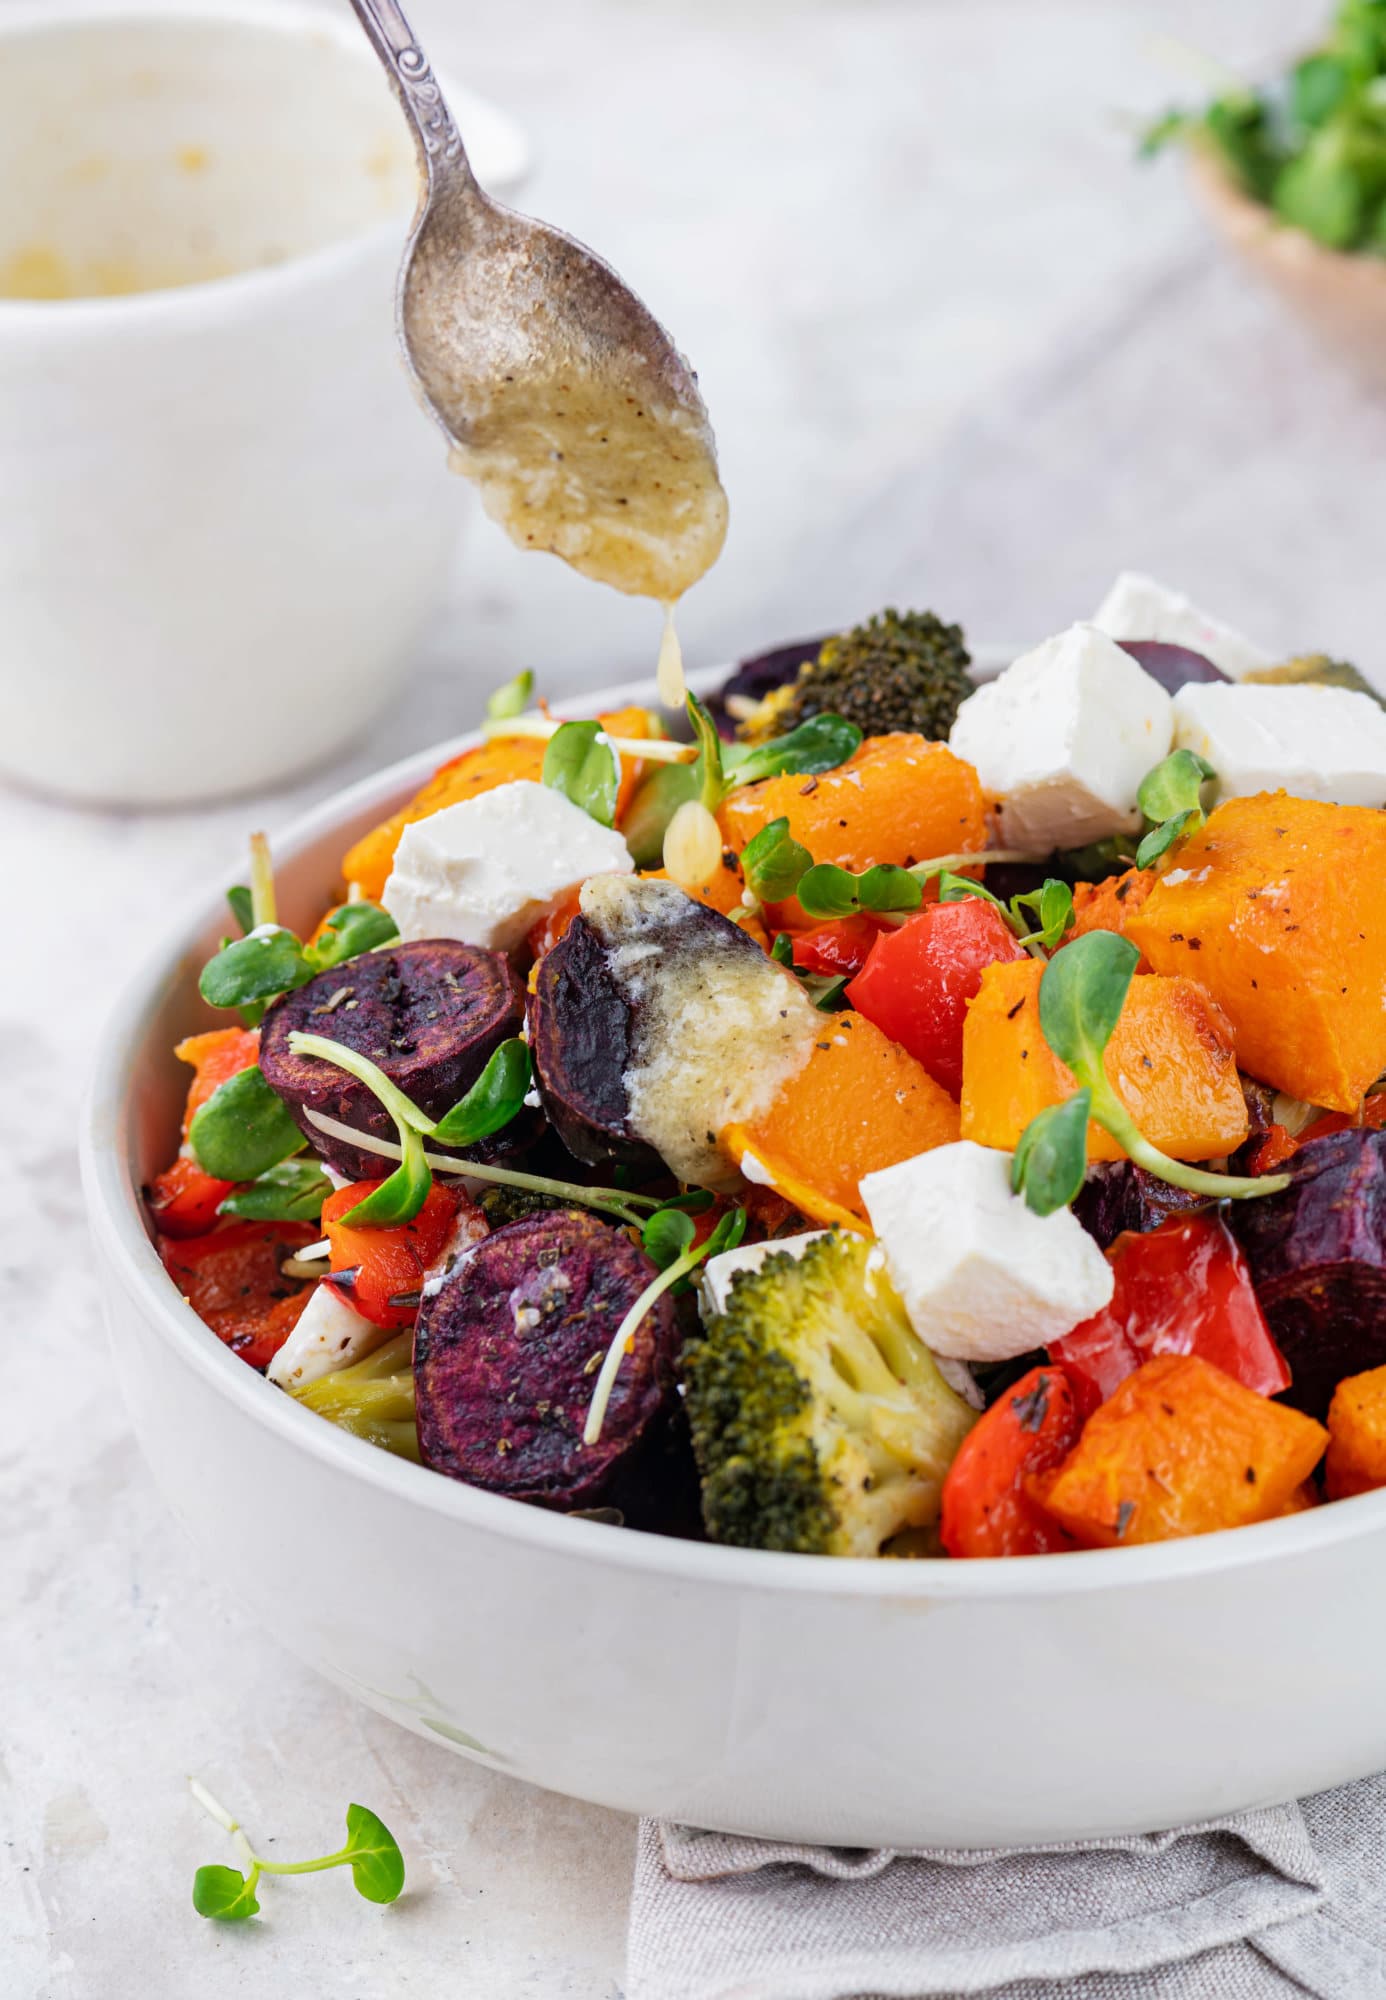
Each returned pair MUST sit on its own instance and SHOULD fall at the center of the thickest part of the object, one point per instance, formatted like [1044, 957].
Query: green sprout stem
[983, 858]
[624, 1338]
[263, 906]
[401, 1108]
[726, 1235]
[369, 1844]
[652, 749]
[1111, 1114]
[614, 1200]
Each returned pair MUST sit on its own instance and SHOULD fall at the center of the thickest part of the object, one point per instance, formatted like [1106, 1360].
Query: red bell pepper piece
[988, 1509]
[917, 982]
[837, 948]
[1183, 1288]
[1272, 1150]
[231, 1279]
[183, 1200]
[1280, 1145]
[386, 1266]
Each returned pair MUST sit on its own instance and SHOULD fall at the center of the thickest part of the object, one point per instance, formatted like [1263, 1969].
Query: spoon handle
[441, 152]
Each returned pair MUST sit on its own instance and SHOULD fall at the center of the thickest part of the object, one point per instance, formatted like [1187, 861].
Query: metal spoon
[560, 393]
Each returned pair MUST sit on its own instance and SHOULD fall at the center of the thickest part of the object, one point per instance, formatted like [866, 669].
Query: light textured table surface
[959, 352]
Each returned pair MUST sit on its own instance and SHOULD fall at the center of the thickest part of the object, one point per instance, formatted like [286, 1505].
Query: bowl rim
[297, 20]
[117, 1221]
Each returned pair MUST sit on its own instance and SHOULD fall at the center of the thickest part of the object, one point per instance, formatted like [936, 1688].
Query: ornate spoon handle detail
[440, 143]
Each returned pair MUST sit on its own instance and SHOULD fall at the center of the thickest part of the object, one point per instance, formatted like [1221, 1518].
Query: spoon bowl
[559, 392]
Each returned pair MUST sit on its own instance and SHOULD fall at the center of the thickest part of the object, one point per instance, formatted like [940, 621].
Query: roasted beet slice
[580, 1033]
[428, 1014]
[506, 1356]
[1317, 1255]
[1118, 1195]
[1172, 666]
[761, 675]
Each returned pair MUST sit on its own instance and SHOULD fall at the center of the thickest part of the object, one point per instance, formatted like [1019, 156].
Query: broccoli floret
[901, 670]
[820, 1421]
[1316, 670]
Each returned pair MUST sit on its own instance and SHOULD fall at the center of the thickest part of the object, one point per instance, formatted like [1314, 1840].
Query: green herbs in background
[1312, 146]
[1170, 798]
[370, 1851]
[1081, 997]
[250, 971]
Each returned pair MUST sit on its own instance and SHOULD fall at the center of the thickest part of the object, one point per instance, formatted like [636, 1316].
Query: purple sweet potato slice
[506, 1356]
[1317, 1256]
[1118, 1195]
[1172, 666]
[429, 1015]
[580, 1035]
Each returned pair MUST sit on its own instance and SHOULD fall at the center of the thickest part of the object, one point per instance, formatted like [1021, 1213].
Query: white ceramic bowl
[216, 481]
[789, 1696]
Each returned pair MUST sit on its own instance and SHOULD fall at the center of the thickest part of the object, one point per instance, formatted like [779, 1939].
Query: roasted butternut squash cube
[502, 761]
[1181, 1449]
[897, 799]
[1170, 1060]
[1278, 907]
[1356, 1460]
[860, 1103]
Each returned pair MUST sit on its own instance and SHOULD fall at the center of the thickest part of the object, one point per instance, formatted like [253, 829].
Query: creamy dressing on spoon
[621, 485]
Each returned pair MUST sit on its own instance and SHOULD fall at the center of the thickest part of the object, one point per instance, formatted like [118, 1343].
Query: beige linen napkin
[1259, 1906]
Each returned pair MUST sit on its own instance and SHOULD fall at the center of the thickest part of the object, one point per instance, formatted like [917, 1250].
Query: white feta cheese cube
[718, 1272]
[1315, 742]
[982, 1277]
[1137, 607]
[1064, 738]
[329, 1334]
[486, 870]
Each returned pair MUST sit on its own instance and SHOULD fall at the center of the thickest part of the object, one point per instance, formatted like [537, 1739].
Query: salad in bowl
[890, 1117]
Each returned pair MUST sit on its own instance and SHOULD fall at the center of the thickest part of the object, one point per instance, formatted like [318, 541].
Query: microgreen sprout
[495, 1098]
[825, 990]
[263, 908]
[1170, 799]
[582, 763]
[667, 1239]
[371, 1852]
[414, 1125]
[709, 769]
[291, 1191]
[1081, 997]
[250, 971]
[773, 863]
[399, 1198]
[1051, 907]
[823, 743]
[826, 892]
[243, 1130]
[512, 699]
